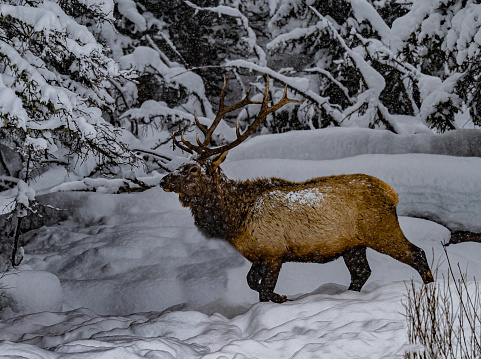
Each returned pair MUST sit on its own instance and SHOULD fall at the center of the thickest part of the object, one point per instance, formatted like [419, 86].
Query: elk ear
[217, 162]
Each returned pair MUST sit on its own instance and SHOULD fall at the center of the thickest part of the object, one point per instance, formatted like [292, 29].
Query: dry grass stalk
[444, 317]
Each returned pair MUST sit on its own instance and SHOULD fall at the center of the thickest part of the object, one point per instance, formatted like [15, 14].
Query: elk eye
[194, 170]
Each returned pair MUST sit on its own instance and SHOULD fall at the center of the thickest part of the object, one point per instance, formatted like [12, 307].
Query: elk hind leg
[399, 248]
[358, 267]
[420, 263]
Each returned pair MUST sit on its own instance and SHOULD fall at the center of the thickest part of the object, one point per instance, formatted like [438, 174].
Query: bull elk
[271, 221]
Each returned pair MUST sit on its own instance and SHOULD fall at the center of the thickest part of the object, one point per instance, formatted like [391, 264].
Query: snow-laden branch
[331, 78]
[372, 78]
[49, 17]
[11, 106]
[164, 57]
[71, 111]
[235, 13]
[105, 185]
[146, 59]
[128, 8]
[293, 35]
[298, 85]
[59, 97]
[432, 89]
[151, 109]
[364, 11]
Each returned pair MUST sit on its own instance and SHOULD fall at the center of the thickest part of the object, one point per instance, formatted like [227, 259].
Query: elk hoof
[273, 297]
[428, 277]
[277, 298]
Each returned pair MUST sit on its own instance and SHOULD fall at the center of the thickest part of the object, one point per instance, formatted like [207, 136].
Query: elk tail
[388, 190]
[393, 195]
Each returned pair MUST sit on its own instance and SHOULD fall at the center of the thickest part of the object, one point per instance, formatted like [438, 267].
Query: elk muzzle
[166, 184]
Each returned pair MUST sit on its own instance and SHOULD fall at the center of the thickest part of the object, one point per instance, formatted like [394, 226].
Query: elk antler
[205, 152]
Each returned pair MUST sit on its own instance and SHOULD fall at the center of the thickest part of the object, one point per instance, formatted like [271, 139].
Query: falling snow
[131, 274]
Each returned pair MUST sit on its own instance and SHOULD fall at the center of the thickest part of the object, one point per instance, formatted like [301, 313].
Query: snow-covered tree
[402, 66]
[442, 40]
[54, 81]
[354, 62]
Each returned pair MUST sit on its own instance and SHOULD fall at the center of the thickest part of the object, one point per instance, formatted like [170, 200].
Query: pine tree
[440, 39]
[53, 87]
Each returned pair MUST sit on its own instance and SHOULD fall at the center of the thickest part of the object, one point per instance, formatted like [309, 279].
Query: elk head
[203, 171]
[194, 178]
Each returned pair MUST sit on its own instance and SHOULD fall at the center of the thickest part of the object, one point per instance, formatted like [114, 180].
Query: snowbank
[139, 280]
[27, 291]
[312, 327]
[340, 142]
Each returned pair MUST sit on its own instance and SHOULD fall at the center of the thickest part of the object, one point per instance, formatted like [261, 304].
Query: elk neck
[221, 206]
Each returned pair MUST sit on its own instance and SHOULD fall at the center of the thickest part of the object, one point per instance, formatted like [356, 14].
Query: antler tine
[218, 117]
[259, 117]
[197, 122]
[283, 101]
[178, 144]
[188, 144]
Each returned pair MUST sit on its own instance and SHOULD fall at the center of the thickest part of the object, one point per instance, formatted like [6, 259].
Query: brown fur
[271, 221]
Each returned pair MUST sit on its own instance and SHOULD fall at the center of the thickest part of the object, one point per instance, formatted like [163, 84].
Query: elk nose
[165, 186]
[162, 182]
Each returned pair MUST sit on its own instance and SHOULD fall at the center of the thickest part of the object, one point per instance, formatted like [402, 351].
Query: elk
[271, 221]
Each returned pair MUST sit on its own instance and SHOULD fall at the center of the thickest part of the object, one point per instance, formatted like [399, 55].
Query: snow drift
[139, 280]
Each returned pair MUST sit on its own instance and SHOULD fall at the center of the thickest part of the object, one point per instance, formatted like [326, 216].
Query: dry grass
[444, 317]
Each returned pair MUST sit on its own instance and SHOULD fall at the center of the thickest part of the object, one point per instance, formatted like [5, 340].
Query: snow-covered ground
[129, 276]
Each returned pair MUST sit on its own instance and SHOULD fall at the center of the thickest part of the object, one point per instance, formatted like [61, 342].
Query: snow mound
[27, 291]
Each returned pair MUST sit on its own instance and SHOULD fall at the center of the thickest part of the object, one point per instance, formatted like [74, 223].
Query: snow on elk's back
[292, 199]
[305, 196]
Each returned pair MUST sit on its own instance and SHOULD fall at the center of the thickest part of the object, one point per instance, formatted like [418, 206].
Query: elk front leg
[256, 281]
[268, 283]
[255, 275]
